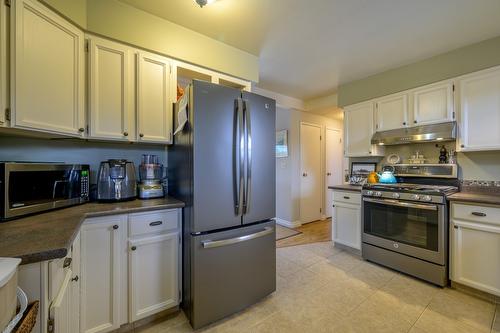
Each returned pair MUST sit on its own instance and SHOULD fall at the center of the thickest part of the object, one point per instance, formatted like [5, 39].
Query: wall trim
[288, 224]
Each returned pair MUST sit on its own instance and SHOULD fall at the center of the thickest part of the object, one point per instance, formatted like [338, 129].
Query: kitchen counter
[49, 235]
[346, 187]
[476, 197]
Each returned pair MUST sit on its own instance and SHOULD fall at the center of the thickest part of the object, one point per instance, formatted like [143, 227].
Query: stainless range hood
[425, 133]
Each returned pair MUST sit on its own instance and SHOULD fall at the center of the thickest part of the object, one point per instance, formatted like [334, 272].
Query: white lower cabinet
[102, 243]
[346, 219]
[475, 246]
[153, 274]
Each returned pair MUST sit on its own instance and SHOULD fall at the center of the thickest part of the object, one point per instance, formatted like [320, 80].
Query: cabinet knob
[304, 174]
[76, 278]
[404, 123]
[133, 248]
[115, 226]
[328, 173]
[125, 133]
[141, 135]
[369, 152]
[415, 121]
[81, 130]
[462, 146]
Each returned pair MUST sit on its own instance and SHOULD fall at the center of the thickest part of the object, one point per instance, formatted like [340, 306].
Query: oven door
[414, 229]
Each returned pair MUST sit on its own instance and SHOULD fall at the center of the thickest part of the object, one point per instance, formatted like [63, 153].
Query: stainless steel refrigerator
[222, 165]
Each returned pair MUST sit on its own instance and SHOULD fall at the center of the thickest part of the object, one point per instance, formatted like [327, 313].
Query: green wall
[448, 65]
[120, 21]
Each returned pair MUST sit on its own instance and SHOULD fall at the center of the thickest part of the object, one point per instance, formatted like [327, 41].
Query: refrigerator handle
[248, 148]
[238, 157]
[218, 243]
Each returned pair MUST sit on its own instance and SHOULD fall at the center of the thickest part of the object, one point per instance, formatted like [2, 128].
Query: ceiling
[307, 48]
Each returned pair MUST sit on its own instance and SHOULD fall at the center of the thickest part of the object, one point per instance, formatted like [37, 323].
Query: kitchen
[171, 232]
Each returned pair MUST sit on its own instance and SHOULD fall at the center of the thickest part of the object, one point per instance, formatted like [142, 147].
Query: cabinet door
[47, 71]
[433, 104]
[475, 255]
[74, 307]
[60, 307]
[111, 90]
[154, 98]
[391, 112]
[153, 274]
[359, 129]
[479, 101]
[3, 63]
[102, 243]
[347, 225]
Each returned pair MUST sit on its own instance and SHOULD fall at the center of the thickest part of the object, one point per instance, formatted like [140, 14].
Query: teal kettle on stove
[387, 175]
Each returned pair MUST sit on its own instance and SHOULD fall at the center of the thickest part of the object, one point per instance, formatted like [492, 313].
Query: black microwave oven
[28, 188]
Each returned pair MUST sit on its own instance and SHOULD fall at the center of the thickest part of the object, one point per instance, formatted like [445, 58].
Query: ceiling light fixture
[202, 3]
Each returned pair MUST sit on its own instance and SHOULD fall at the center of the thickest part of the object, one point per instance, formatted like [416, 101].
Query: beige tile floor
[323, 289]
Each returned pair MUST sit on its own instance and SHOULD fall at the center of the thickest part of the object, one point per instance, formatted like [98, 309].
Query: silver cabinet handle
[401, 204]
[478, 214]
[248, 141]
[223, 242]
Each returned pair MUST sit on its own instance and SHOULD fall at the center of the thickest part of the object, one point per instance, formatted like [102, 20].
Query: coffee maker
[151, 174]
[116, 181]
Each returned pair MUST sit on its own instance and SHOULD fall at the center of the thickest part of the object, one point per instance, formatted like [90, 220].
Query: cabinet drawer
[347, 197]
[484, 214]
[145, 223]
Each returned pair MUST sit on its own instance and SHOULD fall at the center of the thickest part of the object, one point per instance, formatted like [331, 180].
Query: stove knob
[415, 197]
[370, 192]
[395, 195]
[427, 198]
[378, 194]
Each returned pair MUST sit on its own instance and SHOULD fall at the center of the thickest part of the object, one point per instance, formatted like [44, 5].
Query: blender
[151, 174]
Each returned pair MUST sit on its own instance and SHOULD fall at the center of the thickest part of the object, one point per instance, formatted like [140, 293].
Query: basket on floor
[29, 319]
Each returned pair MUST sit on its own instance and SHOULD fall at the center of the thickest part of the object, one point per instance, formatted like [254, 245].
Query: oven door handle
[401, 204]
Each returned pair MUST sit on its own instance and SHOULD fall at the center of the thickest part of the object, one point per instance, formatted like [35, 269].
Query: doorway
[333, 164]
[311, 181]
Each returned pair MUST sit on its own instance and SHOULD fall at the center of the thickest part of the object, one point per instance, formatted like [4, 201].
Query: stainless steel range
[405, 225]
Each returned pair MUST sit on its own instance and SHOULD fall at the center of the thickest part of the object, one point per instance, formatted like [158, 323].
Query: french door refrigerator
[222, 165]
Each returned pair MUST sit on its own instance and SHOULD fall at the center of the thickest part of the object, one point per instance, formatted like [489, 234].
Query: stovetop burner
[412, 187]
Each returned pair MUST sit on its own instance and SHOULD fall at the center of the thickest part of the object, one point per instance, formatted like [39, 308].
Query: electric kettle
[387, 176]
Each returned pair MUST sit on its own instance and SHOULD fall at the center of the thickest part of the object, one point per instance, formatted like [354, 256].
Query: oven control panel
[435, 199]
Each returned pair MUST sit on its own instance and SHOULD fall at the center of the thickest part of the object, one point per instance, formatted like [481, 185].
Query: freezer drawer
[231, 270]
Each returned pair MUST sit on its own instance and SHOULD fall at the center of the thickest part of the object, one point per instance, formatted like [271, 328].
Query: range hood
[425, 133]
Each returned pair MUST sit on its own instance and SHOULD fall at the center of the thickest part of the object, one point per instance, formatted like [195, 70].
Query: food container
[8, 286]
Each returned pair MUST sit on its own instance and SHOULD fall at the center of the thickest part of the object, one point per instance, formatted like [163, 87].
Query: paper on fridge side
[182, 116]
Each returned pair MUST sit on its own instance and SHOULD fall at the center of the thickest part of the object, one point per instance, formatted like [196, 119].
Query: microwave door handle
[57, 182]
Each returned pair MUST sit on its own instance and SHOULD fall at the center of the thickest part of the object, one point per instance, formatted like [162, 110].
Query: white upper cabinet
[111, 95]
[479, 115]
[359, 128]
[433, 104]
[154, 98]
[47, 71]
[391, 112]
[3, 63]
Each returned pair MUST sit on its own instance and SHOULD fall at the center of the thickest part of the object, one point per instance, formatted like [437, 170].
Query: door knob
[304, 174]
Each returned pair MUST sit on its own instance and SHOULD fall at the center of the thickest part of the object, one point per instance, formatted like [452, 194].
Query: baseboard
[288, 224]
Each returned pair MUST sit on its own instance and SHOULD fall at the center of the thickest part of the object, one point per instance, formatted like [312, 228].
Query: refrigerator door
[260, 199]
[231, 270]
[215, 155]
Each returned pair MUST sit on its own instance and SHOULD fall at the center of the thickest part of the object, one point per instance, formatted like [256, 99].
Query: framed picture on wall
[282, 143]
[362, 168]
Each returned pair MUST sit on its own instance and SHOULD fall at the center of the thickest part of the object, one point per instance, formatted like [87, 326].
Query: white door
[346, 225]
[479, 99]
[47, 71]
[111, 90]
[311, 180]
[153, 274]
[433, 104]
[359, 128]
[102, 242]
[391, 112]
[333, 162]
[154, 98]
[3, 63]
[475, 257]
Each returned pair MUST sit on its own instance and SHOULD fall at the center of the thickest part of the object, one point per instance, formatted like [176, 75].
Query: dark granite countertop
[49, 235]
[476, 197]
[346, 187]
